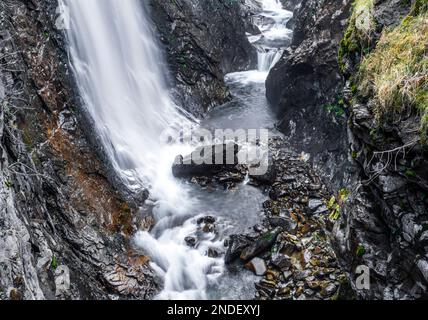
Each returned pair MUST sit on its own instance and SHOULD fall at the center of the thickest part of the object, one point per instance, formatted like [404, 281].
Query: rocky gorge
[347, 179]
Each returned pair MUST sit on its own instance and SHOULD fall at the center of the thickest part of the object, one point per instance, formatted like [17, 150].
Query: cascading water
[272, 22]
[116, 65]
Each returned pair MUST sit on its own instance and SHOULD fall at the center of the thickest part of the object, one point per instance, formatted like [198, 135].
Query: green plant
[357, 35]
[54, 263]
[336, 202]
[8, 184]
[361, 251]
[396, 72]
[410, 174]
[337, 110]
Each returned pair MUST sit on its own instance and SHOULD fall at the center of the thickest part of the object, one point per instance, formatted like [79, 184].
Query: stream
[115, 62]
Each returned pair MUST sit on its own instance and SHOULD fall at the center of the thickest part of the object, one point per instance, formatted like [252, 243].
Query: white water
[116, 63]
[120, 76]
[274, 32]
[117, 66]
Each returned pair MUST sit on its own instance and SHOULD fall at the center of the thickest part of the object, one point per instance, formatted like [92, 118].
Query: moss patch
[361, 251]
[357, 35]
[396, 72]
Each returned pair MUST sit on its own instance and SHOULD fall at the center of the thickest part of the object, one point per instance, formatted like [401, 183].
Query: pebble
[314, 204]
[258, 266]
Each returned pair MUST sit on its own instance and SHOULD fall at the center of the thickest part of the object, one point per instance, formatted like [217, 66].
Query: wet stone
[287, 224]
[424, 238]
[261, 245]
[207, 219]
[213, 253]
[236, 244]
[190, 241]
[258, 266]
[314, 204]
[281, 261]
[288, 249]
[288, 178]
[329, 290]
[287, 275]
[209, 228]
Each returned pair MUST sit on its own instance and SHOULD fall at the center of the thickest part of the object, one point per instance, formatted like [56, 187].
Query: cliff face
[64, 228]
[384, 224]
[203, 41]
[330, 98]
[304, 87]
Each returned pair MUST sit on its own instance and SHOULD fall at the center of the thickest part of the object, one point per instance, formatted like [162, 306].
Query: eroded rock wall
[381, 165]
[305, 86]
[64, 228]
[384, 225]
[203, 40]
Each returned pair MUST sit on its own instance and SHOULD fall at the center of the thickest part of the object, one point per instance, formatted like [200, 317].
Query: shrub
[396, 72]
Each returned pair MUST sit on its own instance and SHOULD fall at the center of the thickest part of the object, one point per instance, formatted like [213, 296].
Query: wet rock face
[203, 40]
[304, 87]
[291, 5]
[310, 73]
[64, 228]
[382, 226]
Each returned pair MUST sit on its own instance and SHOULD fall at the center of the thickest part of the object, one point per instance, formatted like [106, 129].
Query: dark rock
[265, 290]
[207, 219]
[314, 204]
[204, 40]
[269, 176]
[288, 178]
[423, 268]
[213, 253]
[259, 246]
[236, 244]
[329, 290]
[191, 241]
[281, 261]
[209, 228]
[290, 4]
[307, 80]
[287, 248]
[286, 224]
[423, 239]
[207, 161]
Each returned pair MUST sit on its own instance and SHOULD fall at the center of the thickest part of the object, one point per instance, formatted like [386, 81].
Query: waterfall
[274, 36]
[271, 5]
[118, 69]
[121, 80]
[267, 58]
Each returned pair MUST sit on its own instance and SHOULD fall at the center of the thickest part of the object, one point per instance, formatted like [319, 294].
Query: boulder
[207, 161]
[261, 245]
[236, 244]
